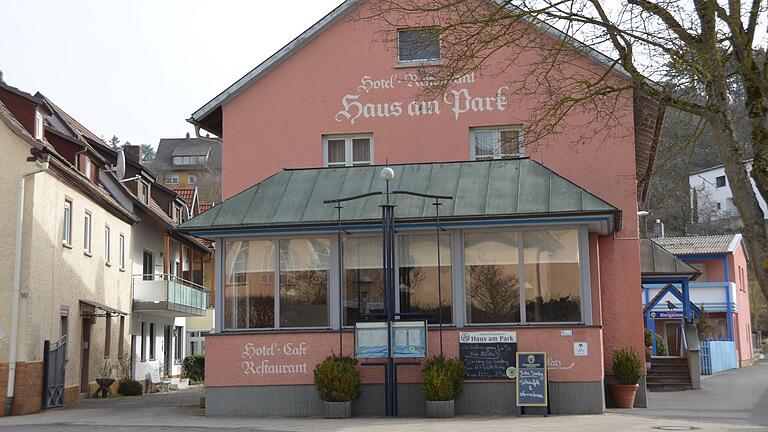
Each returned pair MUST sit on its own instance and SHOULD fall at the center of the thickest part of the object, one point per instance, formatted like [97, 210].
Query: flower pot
[440, 409]
[337, 410]
[623, 395]
[104, 389]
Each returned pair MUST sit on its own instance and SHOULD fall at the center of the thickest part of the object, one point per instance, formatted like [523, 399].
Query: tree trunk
[744, 197]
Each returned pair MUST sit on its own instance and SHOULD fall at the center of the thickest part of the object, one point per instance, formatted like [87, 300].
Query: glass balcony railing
[164, 292]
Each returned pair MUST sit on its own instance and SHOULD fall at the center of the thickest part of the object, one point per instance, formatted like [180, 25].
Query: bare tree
[707, 55]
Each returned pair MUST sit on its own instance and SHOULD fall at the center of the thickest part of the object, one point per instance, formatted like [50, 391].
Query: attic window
[39, 125]
[414, 45]
[190, 160]
[144, 192]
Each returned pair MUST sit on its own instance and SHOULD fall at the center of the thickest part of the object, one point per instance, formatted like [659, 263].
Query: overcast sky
[137, 69]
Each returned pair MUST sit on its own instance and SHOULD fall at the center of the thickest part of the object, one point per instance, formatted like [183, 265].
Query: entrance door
[167, 351]
[672, 331]
[148, 265]
[85, 355]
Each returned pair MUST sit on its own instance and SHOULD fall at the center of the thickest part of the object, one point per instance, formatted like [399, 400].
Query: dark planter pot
[440, 409]
[337, 410]
[623, 395]
[104, 389]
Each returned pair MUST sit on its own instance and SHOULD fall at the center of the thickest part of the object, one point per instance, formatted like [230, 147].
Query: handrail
[169, 277]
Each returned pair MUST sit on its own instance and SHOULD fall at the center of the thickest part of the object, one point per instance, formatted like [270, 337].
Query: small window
[64, 322]
[87, 233]
[87, 166]
[143, 342]
[718, 206]
[178, 344]
[720, 181]
[107, 245]
[496, 142]
[351, 150]
[172, 179]
[39, 125]
[190, 160]
[144, 192]
[151, 341]
[418, 45]
[191, 179]
[122, 252]
[67, 235]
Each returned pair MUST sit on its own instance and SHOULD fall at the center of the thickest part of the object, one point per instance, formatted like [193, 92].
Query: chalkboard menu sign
[531, 379]
[488, 355]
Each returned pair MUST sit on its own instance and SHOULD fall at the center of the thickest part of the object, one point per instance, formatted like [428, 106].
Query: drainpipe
[16, 293]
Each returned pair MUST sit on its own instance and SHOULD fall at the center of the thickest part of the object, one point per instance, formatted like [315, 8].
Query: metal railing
[156, 288]
[717, 355]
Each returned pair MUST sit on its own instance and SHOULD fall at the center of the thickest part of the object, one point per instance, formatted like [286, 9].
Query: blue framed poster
[409, 339]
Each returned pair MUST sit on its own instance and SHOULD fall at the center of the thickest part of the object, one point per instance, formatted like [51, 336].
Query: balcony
[168, 295]
[711, 296]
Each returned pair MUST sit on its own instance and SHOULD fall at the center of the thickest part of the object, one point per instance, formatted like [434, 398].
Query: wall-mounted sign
[489, 355]
[566, 332]
[409, 339]
[667, 314]
[580, 349]
[274, 359]
[531, 379]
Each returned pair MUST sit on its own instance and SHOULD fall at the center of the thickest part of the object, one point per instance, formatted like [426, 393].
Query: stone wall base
[28, 390]
[477, 399]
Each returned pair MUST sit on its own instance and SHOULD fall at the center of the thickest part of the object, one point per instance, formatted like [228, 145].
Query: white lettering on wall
[254, 363]
[458, 101]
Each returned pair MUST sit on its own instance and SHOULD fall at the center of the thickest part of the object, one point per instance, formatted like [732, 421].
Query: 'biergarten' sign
[457, 101]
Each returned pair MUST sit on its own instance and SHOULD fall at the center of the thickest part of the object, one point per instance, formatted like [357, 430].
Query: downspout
[16, 293]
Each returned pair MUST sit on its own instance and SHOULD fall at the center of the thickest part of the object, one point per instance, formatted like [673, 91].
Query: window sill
[122, 269]
[143, 360]
[417, 64]
[66, 245]
[108, 264]
[88, 254]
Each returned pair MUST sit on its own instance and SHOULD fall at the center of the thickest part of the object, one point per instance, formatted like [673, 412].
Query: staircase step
[668, 387]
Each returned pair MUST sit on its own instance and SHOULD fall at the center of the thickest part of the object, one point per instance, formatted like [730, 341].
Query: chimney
[1, 77]
[658, 229]
[187, 135]
[132, 152]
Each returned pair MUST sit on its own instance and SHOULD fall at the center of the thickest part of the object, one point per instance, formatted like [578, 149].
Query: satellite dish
[120, 168]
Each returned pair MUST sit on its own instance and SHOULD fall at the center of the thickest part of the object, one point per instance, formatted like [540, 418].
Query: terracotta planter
[440, 409]
[623, 395]
[337, 410]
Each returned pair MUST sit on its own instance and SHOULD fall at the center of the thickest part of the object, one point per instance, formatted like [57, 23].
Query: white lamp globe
[387, 173]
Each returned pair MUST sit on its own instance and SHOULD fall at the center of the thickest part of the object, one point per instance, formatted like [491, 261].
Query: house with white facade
[712, 198]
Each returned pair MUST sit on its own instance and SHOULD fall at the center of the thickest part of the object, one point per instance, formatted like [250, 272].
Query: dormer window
[190, 160]
[39, 125]
[144, 192]
[87, 166]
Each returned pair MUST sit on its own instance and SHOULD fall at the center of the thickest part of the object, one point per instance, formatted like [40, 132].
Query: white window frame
[424, 60]
[39, 125]
[347, 150]
[67, 234]
[87, 233]
[107, 245]
[144, 197]
[497, 131]
[121, 257]
[172, 179]
[87, 167]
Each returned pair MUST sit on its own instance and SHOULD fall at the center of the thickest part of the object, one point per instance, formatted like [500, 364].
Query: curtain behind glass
[304, 268]
[552, 277]
[492, 277]
[417, 262]
[249, 290]
[363, 290]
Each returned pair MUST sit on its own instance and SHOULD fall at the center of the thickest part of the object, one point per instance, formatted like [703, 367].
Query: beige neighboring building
[75, 277]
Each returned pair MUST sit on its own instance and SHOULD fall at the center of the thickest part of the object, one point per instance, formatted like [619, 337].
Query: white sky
[138, 68]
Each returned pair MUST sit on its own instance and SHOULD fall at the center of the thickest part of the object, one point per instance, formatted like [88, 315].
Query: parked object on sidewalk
[627, 369]
[156, 384]
[338, 381]
[441, 384]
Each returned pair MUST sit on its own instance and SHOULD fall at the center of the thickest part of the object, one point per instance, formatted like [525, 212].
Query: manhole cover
[675, 428]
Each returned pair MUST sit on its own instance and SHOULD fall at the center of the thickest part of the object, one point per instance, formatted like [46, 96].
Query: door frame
[85, 354]
[167, 343]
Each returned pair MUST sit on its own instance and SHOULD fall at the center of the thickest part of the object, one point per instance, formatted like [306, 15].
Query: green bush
[627, 366]
[337, 378]
[194, 368]
[130, 387]
[661, 344]
[442, 378]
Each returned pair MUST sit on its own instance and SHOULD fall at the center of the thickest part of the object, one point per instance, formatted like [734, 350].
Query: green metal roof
[510, 188]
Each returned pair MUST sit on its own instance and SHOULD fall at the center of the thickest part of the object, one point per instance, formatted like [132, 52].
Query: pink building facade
[338, 96]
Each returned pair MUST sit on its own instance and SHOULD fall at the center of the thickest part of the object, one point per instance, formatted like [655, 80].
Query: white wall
[704, 185]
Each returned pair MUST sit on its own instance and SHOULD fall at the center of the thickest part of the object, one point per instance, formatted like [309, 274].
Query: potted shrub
[338, 382]
[441, 383]
[627, 370]
[128, 386]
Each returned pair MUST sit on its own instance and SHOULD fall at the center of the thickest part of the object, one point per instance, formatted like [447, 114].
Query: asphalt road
[738, 396]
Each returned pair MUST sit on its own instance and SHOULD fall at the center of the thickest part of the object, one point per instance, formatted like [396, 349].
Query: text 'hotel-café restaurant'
[538, 241]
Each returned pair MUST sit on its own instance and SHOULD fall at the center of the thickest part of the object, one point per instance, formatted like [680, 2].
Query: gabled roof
[657, 261]
[491, 189]
[212, 107]
[675, 294]
[81, 132]
[701, 245]
[167, 148]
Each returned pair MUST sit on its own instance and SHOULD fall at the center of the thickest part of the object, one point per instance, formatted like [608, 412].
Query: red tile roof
[205, 206]
[187, 193]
